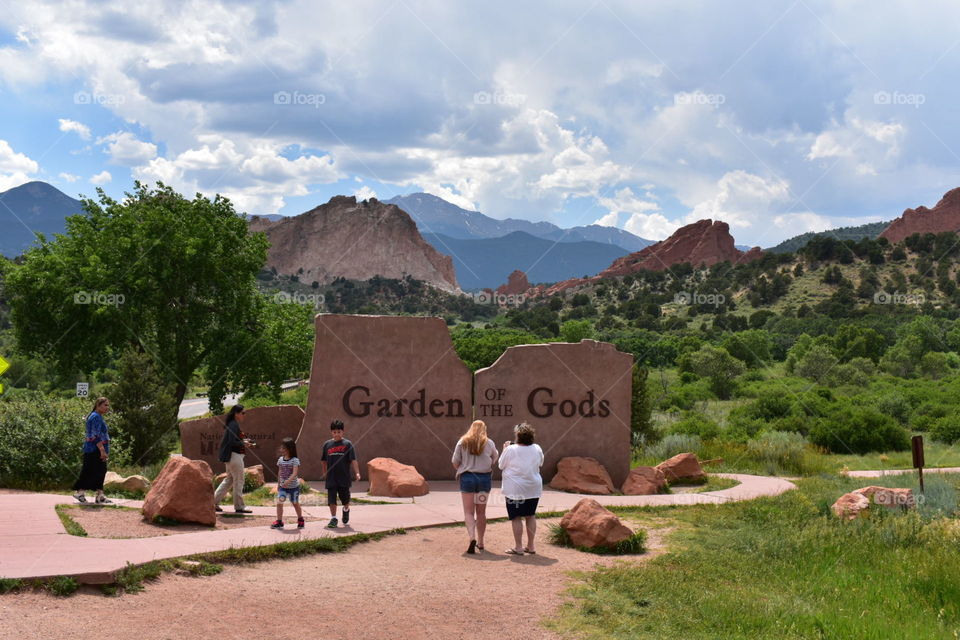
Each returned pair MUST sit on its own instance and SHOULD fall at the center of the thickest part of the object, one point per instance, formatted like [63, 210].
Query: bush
[946, 429]
[859, 430]
[41, 439]
[779, 451]
[895, 406]
[673, 444]
[696, 424]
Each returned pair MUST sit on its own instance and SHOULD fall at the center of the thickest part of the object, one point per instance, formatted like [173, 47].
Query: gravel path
[418, 585]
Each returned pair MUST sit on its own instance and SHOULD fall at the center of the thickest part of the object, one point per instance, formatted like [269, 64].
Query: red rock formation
[590, 524]
[945, 216]
[517, 283]
[704, 242]
[344, 238]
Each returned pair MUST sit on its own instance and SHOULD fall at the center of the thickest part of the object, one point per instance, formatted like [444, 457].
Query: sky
[778, 117]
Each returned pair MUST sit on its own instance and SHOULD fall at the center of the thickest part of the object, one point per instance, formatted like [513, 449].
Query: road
[196, 407]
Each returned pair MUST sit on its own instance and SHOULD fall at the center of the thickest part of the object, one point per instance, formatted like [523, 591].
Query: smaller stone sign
[267, 426]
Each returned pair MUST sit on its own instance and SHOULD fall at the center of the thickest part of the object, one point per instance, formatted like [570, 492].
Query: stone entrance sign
[398, 386]
[576, 396]
[267, 426]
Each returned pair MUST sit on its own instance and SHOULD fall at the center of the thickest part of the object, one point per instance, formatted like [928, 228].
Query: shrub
[673, 444]
[779, 451]
[40, 441]
[859, 430]
[895, 406]
[946, 429]
[696, 424]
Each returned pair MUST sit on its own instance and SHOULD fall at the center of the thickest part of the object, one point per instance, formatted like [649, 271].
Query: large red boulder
[589, 524]
[683, 467]
[394, 479]
[182, 492]
[643, 481]
[850, 505]
[582, 475]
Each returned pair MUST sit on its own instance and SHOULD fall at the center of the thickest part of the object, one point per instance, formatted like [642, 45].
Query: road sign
[4, 365]
[916, 444]
[83, 389]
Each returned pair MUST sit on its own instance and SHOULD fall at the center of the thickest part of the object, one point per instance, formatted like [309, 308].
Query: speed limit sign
[83, 389]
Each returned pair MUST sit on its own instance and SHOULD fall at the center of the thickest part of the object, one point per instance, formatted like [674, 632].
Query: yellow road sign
[4, 365]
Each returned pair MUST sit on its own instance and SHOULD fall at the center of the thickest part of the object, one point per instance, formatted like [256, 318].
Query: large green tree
[169, 276]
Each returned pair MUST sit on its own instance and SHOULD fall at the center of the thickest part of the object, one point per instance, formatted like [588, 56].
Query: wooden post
[917, 445]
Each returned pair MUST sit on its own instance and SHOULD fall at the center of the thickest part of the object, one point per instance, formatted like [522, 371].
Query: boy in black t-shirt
[337, 461]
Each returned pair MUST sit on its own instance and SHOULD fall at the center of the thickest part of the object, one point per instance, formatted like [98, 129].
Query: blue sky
[777, 117]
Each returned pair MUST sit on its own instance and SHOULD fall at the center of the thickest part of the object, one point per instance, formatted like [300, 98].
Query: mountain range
[435, 215]
[485, 263]
[32, 207]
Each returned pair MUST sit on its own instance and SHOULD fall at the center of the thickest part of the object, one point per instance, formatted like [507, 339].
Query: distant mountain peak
[31, 207]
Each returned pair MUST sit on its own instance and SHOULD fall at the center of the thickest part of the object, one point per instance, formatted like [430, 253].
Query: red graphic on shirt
[340, 449]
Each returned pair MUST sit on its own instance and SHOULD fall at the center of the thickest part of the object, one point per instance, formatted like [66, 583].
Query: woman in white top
[473, 459]
[522, 486]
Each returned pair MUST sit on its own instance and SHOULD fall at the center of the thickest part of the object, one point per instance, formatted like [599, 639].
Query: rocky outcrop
[945, 216]
[517, 284]
[683, 467]
[182, 492]
[356, 241]
[850, 505]
[644, 481]
[391, 478]
[131, 484]
[589, 524]
[582, 475]
[703, 243]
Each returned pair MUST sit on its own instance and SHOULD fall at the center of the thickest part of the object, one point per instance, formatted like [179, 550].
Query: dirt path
[418, 585]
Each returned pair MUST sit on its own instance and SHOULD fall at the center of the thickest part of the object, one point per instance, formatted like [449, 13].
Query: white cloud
[365, 193]
[255, 176]
[742, 199]
[101, 178]
[125, 149]
[15, 168]
[79, 128]
[69, 177]
[636, 215]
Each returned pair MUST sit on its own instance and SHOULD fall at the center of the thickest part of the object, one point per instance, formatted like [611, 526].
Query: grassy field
[784, 567]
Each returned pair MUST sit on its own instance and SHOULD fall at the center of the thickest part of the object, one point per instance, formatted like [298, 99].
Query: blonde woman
[473, 459]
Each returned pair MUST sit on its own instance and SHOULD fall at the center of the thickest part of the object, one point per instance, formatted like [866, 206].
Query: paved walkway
[899, 472]
[33, 543]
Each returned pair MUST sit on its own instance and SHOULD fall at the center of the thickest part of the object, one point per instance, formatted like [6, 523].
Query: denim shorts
[471, 482]
[293, 495]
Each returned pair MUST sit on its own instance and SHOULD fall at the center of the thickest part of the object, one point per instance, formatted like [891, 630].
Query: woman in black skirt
[96, 446]
[522, 486]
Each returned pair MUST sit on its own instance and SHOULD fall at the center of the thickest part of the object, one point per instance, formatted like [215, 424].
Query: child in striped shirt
[288, 482]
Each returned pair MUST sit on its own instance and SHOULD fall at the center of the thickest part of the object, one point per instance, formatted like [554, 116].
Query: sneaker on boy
[332, 524]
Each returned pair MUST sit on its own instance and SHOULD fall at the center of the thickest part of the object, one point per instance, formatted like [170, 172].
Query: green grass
[71, 525]
[784, 567]
[710, 483]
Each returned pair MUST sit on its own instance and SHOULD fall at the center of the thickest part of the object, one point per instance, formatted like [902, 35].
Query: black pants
[92, 473]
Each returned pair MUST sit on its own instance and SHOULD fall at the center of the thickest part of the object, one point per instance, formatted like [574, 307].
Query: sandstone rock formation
[131, 484]
[683, 467]
[517, 284]
[850, 505]
[391, 478]
[643, 481]
[945, 216]
[357, 241]
[704, 242]
[183, 492]
[582, 475]
[252, 477]
[591, 525]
